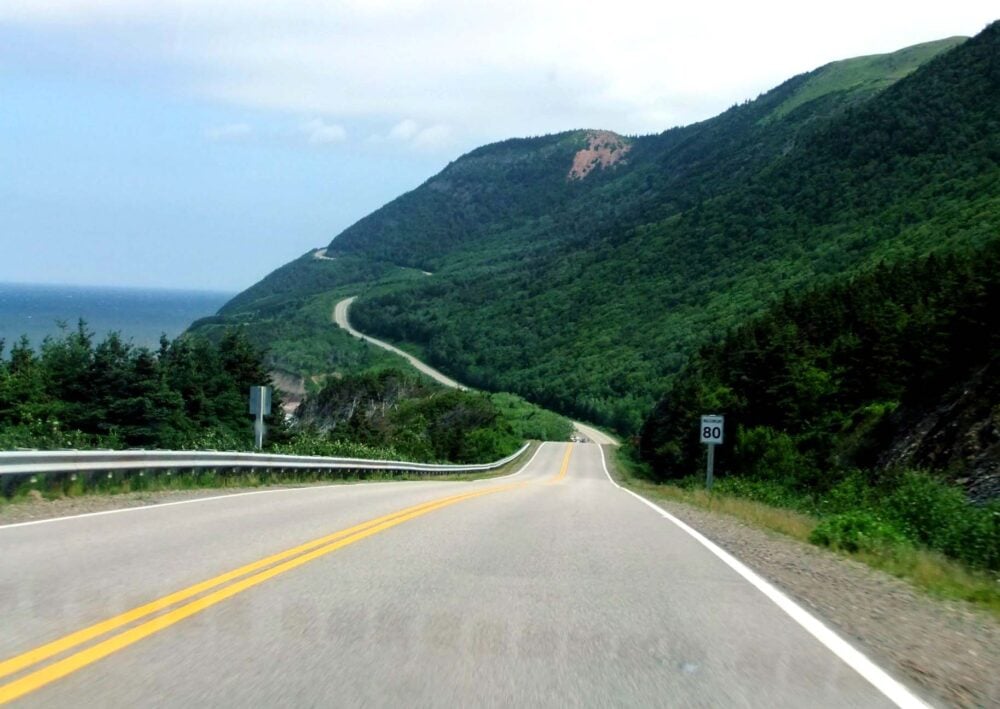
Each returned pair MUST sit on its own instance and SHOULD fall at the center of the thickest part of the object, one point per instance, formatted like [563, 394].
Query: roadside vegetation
[423, 420]
[860, 404]
[77, 393]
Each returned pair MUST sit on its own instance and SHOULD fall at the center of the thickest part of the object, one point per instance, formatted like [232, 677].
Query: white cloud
[229, 131]
[433, 138]
[320, 132]
[462, 73]
[404, 130]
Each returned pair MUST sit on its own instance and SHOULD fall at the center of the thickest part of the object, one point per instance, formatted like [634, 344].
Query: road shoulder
[948, 648]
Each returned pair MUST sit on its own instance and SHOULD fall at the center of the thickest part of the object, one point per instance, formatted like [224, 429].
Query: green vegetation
[863, 74]
[190, 393]
[735, 213]
[423, 421]
[821, 388]
[290, 317]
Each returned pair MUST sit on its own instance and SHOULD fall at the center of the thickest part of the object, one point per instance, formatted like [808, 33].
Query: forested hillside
[858, 402]
[587, 294]
[830, 380]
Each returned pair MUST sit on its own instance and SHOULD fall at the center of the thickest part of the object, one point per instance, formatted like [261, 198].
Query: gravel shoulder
[948, 648]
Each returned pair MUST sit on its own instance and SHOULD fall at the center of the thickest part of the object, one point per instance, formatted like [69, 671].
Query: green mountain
[580, 270]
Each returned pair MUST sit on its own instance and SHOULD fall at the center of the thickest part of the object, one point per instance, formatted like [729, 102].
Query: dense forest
[587, 295]
[823, 392]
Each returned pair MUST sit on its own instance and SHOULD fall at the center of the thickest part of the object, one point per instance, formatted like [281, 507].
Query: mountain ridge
[587, 295]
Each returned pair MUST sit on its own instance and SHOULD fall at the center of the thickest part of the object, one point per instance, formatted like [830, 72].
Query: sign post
[711, 434]
[260, 404]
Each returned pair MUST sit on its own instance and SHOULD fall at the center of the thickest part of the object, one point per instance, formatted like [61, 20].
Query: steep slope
[896, 367]
[592, 330]
[585, 292]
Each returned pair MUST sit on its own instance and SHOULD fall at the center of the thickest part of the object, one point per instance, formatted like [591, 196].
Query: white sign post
[260, 404]
[711, 430]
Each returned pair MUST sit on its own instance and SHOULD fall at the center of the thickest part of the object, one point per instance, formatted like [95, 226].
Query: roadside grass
[49, 488]
[926, 570]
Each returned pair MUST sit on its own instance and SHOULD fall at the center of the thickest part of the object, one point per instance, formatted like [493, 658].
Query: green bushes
[857, 532]
[921, 512]
[938, 516]
[763, 453]
[881, 514]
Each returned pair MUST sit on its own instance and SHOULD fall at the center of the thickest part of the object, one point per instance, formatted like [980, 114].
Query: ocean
[139, 314]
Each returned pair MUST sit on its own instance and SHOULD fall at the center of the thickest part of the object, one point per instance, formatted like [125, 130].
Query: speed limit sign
[711, 429]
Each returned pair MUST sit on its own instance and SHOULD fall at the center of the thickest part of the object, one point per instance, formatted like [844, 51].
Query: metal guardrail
[66, 462]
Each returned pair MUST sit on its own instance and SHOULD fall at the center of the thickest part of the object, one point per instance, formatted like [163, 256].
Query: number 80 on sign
[711, 429]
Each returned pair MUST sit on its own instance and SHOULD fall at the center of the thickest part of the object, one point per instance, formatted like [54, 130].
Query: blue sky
[108, 184]
[201, 144]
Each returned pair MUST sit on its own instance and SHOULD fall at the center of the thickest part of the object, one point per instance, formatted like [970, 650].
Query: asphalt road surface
[550, 587]
[342, 319]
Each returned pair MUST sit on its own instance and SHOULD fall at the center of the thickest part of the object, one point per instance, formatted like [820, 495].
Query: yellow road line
[20, 662]
[565, 465]
[312, 550]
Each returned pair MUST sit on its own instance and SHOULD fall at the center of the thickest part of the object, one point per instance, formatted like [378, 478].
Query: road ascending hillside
[341, 318]
[551, 587]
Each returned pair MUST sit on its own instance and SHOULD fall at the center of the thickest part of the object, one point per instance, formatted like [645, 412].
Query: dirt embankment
[292, 388]
[604, 149]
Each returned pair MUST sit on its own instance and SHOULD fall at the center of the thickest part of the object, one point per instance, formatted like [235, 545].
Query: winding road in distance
[549, 587]
[341, 318]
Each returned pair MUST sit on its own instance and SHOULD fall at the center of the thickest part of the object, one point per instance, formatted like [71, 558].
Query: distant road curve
[340, 317]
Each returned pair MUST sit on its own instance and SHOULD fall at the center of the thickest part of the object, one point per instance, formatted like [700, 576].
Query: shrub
[926, 510]
[766, 454]
[852, 493]
[857, 531]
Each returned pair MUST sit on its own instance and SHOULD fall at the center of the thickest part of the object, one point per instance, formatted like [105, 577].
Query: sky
[202, 143]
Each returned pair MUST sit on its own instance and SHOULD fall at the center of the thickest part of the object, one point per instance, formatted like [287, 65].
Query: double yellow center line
[201, 596]
[565, 465]
[265, 569]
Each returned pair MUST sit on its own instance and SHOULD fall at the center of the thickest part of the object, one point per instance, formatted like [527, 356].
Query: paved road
[551, 587]
[340, 317]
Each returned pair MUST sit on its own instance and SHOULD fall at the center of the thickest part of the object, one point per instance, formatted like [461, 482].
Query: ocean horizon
[140, 315]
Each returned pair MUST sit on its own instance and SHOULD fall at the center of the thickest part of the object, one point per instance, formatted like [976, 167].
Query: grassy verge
[929, 571]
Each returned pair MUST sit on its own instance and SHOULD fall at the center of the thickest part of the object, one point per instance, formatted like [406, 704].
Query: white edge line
[160, 505]
[858, 661]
